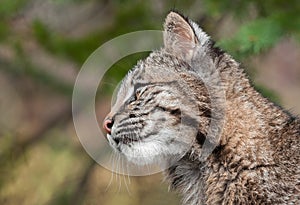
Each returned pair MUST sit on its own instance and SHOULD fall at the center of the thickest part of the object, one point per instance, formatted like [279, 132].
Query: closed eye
[132, 99]
[136, 95]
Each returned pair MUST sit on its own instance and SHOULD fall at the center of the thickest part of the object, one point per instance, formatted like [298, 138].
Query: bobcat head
[164, 107]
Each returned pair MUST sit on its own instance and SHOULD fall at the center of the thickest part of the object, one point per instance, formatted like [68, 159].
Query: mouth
[124, 140]
[117, 141]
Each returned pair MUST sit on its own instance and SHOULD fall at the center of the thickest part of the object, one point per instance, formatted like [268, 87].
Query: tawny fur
[256, 159]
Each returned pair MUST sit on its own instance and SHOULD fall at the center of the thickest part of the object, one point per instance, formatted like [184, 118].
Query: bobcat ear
[179, 37]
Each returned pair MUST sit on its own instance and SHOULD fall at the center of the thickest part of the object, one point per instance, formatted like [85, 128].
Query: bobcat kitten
[257, 153]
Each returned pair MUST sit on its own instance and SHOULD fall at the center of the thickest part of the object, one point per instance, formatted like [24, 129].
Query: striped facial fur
[162, 108]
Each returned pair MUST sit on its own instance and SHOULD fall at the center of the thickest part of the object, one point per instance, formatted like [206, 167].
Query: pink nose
[107, 125]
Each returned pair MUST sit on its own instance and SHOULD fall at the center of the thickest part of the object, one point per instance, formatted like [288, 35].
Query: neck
[188, 176]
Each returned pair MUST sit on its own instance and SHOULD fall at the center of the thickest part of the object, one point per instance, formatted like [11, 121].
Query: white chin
[149, 153]
[148, 160]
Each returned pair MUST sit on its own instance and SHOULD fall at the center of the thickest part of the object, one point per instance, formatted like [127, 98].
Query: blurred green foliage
[253, 38]
[75, 49]
[262, 23]
[10, 8]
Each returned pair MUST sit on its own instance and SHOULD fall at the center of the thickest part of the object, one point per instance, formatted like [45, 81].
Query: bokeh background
[43, 44]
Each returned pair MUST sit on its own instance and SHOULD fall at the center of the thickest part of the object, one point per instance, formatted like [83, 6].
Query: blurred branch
[37, 75]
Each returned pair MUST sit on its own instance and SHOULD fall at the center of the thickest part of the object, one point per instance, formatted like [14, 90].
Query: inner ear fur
[179, 36]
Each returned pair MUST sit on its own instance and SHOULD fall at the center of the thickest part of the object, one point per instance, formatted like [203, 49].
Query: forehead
[159, 66]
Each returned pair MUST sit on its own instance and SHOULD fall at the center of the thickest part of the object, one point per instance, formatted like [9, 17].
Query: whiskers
[119, 174]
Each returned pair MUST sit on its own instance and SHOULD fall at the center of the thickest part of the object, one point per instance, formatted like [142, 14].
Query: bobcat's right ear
[179, 37]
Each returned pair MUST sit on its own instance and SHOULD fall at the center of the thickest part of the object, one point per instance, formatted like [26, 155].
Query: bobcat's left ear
[181, 36]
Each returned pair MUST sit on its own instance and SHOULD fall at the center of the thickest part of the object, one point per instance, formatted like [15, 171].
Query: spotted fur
[165, 108]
